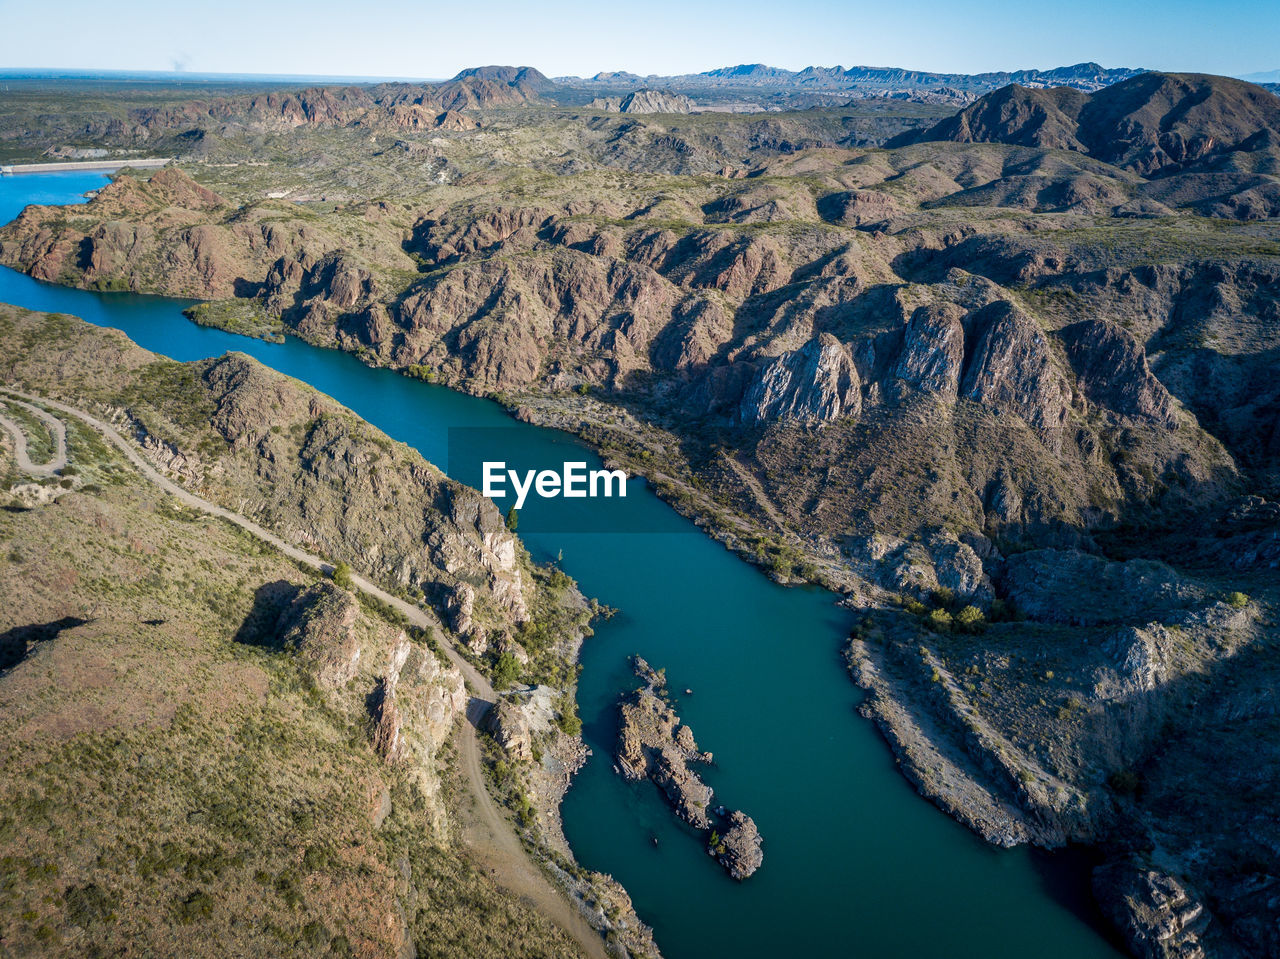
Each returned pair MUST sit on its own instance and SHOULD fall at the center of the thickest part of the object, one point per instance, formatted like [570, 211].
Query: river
[856, 864]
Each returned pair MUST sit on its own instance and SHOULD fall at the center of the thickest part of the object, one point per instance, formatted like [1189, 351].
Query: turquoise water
[856, 864]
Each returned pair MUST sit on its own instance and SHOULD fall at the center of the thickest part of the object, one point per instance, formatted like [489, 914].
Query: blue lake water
[856, 864]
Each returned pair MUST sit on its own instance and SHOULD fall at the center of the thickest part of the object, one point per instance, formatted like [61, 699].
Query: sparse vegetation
[342, 575]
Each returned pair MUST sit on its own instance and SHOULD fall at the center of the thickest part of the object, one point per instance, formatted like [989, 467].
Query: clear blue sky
[433, 39]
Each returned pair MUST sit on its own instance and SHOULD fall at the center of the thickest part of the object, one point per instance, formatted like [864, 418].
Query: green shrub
[940, 621]
[513, 519]
[198, 905]
[971, 620]
[505, 671]
[943, 596]
[567, 711]
[87, 905]
[342, 575]
[914, 607]
[1237, 600]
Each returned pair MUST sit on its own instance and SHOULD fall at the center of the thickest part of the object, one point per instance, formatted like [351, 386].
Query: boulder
[510, 730]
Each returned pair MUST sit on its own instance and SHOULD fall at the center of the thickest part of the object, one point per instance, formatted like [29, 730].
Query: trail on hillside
[21, 451]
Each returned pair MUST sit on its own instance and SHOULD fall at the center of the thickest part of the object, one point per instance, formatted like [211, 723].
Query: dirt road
[22, 453]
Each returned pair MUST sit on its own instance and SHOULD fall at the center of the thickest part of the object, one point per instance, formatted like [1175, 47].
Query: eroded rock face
[1159, 917]
[933, 351]
[1114, 373]
[414, 705]
[1078, 588]
[510, 728]
[858, 208]
[1012, 368]
[817, 382]
[325, 479]
[644, 101]
[320, 625]
[739, 848]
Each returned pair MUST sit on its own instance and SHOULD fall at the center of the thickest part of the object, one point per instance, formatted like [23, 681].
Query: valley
[997, 372]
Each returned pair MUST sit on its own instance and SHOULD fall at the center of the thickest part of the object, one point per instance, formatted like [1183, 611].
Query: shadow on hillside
[16, 643]
[261, 626]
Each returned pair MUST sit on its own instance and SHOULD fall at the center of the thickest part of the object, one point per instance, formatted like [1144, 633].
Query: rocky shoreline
[527, 725]
[1111, 767]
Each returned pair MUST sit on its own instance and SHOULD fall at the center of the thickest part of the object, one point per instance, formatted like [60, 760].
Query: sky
[429, 39]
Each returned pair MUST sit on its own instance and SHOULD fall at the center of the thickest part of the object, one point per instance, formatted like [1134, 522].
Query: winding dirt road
[489, 834]
[22, 454]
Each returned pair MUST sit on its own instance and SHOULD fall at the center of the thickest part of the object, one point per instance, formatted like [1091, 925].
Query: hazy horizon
[573, 37]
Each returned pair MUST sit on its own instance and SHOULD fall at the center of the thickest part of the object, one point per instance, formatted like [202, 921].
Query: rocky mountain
[875, 81]
[644, 101]
[1154, 124]
[526, 79]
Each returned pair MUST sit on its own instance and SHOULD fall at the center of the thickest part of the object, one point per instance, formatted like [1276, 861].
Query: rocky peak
[1011, 369]
[645, 101]
[817, 382]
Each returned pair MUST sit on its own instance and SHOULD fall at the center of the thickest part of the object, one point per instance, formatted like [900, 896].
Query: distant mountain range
[1157, 124]
[881, 81]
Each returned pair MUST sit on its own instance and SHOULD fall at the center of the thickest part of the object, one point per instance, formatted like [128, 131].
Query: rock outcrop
[1158, 916]
[1114, 372]
[644, 101]
[817, 382]
[510, 728]
[320, 625]
[654, 744]
[738, 850]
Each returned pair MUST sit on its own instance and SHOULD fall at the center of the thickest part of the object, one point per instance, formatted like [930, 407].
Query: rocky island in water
[653, 743]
